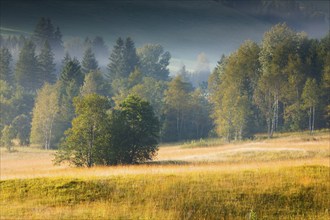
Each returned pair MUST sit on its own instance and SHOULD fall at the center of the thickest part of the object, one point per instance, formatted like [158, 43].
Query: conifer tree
[46, 64]
[6, 73]
[123, 59]
[72, 72]
[89, 62]
[27, 72]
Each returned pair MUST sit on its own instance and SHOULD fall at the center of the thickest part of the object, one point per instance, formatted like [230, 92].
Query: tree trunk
[310, 120]
[313, 122]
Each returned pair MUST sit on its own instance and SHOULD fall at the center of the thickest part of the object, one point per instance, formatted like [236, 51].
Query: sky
[185, 28]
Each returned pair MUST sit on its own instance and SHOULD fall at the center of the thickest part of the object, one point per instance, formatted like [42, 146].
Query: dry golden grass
[282, 178]
[283, 151]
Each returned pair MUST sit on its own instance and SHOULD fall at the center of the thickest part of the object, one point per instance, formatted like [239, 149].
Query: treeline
[280, 85]
[37, 100]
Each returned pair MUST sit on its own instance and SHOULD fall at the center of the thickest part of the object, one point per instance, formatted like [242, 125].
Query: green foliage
[154, 61]
[135, 131]
[7, 135]
[87, 141]
[125, 136]
[45, 116]
[94, 83]
[152, 91]
[71, 72]
[6, 73]
[46, 64]
[45, 31]
[27, 71]
[22, 129]
[123, 59]
[233, 84]
[89, 62]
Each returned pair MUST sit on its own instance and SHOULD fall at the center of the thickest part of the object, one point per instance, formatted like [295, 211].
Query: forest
[279, 84]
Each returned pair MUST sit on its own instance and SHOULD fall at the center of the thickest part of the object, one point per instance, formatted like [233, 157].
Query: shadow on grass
[167, 162]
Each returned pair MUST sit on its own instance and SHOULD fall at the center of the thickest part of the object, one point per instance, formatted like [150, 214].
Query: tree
[46, 64]
[94, 83]
[123, 59]
[232, 87]
[100, 49]
[6, 73]
[277, 45]
[45, 113]
[310, 98]
[151, 91]
[116, 64]
[87, 141]
[177, 103]
[154, 61]
[89, 62]
[27, 72]
[45, 31]
[21, 126]
[7, 137]
[71, 72]
[135, 131]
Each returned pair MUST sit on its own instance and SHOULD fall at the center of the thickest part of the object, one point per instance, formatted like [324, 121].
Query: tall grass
[273, 193]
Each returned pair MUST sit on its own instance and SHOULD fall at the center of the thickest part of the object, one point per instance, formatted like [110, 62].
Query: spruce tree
[123, 59]
[130, 57]
[89, 62]
[116, 64]
[6, 73]
[72, 73]
[27, 72]
[46, 63]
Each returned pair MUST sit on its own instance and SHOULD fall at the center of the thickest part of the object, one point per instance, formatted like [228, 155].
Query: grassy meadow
[286, 177]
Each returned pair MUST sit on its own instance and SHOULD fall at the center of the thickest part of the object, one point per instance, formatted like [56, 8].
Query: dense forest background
[280, 84]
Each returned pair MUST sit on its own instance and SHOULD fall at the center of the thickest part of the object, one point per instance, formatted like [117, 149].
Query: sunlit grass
[282, 178]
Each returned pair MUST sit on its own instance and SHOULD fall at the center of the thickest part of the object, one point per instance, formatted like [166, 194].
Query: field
[286, 177]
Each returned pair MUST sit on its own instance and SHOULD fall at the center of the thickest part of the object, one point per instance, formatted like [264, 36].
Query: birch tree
[310, 98]
[45, 113]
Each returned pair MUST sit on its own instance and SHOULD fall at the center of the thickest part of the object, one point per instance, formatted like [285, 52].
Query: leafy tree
[326, 87]
[94, 83]
[7, 136]
[277, 45]
[89, 62]
[6, 73]
[154, 61]
[151, 91]
[310, 98]
[135, 131]
[22, 128]
[27, 72]
[177, 105]
[200, 117]
[232, 87]
[86, 142]
[46, 64]
[45, 114]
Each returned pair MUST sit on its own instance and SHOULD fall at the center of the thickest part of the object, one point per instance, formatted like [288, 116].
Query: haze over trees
[119, 115]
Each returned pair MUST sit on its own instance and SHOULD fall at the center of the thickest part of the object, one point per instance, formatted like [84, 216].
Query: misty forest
[164, 109]
[280, 84]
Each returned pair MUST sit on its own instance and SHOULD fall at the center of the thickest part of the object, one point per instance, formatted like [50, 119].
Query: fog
[184, 28]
